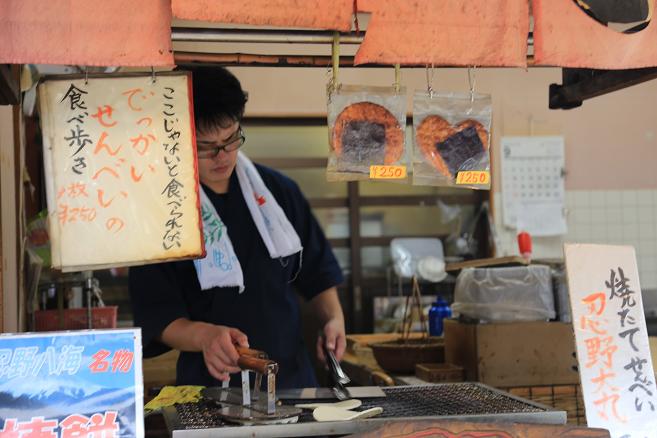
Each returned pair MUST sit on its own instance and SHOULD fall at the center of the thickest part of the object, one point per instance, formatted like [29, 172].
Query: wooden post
[8, 220]
[355, 250]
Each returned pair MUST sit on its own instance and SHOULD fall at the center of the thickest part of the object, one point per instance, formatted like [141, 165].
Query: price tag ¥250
[387, 172]
[475, 177]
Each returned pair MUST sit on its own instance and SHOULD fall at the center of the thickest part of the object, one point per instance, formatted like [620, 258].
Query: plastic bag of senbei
[366, 133]
[451, 133]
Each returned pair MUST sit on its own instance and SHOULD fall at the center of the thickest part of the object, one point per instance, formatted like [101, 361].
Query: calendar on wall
[533, 184]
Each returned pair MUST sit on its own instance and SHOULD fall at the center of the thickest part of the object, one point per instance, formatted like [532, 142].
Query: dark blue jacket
[268, 309]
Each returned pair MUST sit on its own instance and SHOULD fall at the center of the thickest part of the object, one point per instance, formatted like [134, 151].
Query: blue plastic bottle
[439, 310]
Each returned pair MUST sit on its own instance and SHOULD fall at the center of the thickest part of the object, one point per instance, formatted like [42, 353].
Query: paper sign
[68, 384]
[612, 340]
[121, 176]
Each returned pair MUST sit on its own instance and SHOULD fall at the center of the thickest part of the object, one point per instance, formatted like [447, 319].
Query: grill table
[448, 401]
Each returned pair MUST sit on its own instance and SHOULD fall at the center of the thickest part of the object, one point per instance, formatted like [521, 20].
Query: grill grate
[401, 401]
[444, 400]
[201, 415]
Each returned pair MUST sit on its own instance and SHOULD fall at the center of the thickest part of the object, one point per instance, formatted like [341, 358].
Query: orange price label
[387, 172]
[474, 177]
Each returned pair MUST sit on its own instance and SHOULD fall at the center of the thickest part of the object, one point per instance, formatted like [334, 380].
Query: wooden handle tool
[262, 366]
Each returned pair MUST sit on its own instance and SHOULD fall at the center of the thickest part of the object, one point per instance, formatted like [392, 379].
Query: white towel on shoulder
[220, 267]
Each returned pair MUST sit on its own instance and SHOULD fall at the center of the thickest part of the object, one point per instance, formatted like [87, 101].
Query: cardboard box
[514, 353]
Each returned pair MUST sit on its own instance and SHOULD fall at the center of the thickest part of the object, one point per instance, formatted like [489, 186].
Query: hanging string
[356, 18]
[397, 83]
[152, 75]
[86, 75]
[429, 80]
[335, 57]
[332, 84]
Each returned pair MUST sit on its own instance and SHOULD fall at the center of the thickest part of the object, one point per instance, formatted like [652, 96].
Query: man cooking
[262, 243]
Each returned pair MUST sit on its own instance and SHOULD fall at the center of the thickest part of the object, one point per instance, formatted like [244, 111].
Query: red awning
[565, 36]
[315, 14]
[454, 32]
[83, 32]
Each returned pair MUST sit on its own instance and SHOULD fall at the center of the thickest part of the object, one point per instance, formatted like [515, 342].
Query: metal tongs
[338, 377]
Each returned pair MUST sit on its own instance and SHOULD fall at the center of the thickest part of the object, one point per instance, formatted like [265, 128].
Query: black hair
[218, 98]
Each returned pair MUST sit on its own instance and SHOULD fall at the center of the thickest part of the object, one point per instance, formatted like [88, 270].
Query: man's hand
[218, 347]
[216, 342]
[334, 336]
[328, 311]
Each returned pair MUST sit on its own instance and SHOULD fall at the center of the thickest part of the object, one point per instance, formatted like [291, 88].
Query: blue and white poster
[71, 384]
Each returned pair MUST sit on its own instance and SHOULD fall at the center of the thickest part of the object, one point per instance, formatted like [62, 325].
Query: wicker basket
[439, 372]
[74, 319]
[400, 357]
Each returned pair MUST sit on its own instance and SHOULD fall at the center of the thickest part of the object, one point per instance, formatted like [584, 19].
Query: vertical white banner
[612, 340]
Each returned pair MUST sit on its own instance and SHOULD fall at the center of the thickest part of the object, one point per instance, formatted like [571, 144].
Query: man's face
[215, 170]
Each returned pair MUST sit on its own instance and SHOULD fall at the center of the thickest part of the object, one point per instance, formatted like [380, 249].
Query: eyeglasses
[231, 146]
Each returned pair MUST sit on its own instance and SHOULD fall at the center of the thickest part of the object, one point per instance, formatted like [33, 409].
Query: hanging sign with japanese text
[71, 384]
[612, 340]
[121, 174]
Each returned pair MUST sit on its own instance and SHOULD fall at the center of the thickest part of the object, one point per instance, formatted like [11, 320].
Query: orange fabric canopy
[419, 32]
[82, 32]
[445, 32]
[316, 14]
[565, 36]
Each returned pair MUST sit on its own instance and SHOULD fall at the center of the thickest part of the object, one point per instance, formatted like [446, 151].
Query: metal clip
[472, 80]
[429, 80]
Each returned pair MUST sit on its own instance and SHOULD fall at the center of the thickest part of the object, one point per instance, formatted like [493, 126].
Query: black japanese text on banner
[612, 340]
[120, 166]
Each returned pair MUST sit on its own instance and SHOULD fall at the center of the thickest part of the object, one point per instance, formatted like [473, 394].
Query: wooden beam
[293, 163]
[285, 120]
[187, 59]
[376, 241]
[624, 11]
[18, 212]
[421, 200]
[8, 221]
[297, 120]
[9, 85]
[448, 428]
[580, 84]
[492, 261]
[328, 202]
